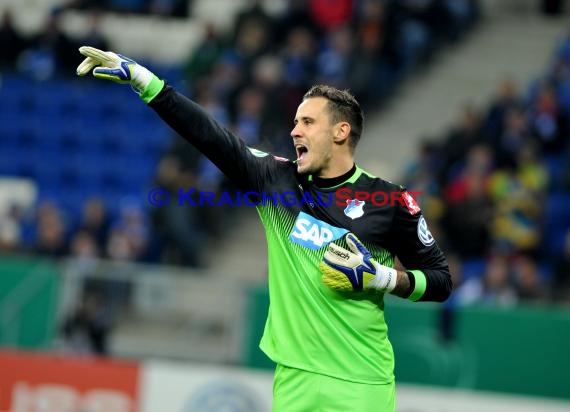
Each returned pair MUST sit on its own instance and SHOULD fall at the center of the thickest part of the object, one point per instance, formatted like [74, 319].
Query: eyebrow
[295, 121]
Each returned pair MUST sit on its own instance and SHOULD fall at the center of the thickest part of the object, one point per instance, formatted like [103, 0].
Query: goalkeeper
[329, 266]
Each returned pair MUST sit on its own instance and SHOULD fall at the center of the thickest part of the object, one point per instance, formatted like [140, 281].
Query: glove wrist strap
[141, 77]
[152, 89]
[420, 284]
[385, 279]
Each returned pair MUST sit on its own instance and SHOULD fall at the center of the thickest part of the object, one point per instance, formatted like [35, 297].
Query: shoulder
[270, 157]
[271, 167]
[367, 179]
[393, 194]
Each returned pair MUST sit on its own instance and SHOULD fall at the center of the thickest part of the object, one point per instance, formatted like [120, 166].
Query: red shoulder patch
[411, 203]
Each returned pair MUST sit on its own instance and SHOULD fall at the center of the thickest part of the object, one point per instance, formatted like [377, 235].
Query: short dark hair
[343, 106]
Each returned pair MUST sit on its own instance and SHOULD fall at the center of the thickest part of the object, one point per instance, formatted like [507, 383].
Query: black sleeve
[247, 168]
[419, 253]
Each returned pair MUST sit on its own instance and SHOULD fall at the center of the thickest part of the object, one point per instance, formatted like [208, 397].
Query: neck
[337, 168]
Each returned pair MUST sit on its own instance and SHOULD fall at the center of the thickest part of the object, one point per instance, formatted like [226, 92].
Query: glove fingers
[106, 58]
[86, 66]
[356, 245]
[92, 52]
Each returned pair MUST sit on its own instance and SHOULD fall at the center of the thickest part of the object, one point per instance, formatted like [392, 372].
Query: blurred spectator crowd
[164, 8]
[496, 189]
[495, 186]
[250, 78]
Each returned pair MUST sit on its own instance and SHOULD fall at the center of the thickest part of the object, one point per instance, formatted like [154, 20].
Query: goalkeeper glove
[355, 269]
[118, 68]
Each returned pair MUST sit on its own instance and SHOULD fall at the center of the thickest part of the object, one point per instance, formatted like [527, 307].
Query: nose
[295, 132]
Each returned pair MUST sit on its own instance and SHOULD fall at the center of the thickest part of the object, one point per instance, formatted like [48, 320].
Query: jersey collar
[332, 183]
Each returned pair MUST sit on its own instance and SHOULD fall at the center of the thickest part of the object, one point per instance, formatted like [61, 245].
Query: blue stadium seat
[74, 144]
[8, 165]
[13, 121]
[88, 131]
[473, 268]
[554, 164]
[9, 135]
[563, 91]
[556, 222]
[14, 89]
[72, 201]
[545, 270]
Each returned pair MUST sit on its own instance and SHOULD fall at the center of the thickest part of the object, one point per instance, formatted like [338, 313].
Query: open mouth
[301, 151]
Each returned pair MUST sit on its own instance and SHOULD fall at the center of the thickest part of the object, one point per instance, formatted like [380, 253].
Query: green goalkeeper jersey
[310, 326]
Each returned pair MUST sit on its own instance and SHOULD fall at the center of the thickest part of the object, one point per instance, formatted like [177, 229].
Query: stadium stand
[58, 133]
[501, 158]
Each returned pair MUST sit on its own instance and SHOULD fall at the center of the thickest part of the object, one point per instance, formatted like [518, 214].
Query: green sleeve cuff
[420, 286]
[152, 90]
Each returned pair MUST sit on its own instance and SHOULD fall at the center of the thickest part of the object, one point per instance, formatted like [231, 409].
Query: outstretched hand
[108, 65]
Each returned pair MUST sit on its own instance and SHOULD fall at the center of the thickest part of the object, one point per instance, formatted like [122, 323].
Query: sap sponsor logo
[424, 234]
[354, 208]
[219, 396]
[313, 233]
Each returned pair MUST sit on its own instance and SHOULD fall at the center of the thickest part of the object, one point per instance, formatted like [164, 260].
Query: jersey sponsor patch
[411, 203]
[354, 208]
[314, 233]
[424, 234]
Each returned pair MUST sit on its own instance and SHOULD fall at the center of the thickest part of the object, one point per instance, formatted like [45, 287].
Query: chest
[321, 216]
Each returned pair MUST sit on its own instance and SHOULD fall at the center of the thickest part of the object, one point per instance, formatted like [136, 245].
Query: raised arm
[247, 168]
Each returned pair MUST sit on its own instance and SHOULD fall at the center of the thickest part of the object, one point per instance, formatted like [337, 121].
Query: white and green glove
[120, 69]
[355, 269]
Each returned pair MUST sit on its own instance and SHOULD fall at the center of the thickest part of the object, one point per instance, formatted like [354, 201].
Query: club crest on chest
[354, 208]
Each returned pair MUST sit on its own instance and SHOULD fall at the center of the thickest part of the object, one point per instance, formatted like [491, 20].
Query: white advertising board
[176, 387]
[173, 387]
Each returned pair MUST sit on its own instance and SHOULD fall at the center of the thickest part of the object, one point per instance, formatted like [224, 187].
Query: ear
[341, 132]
